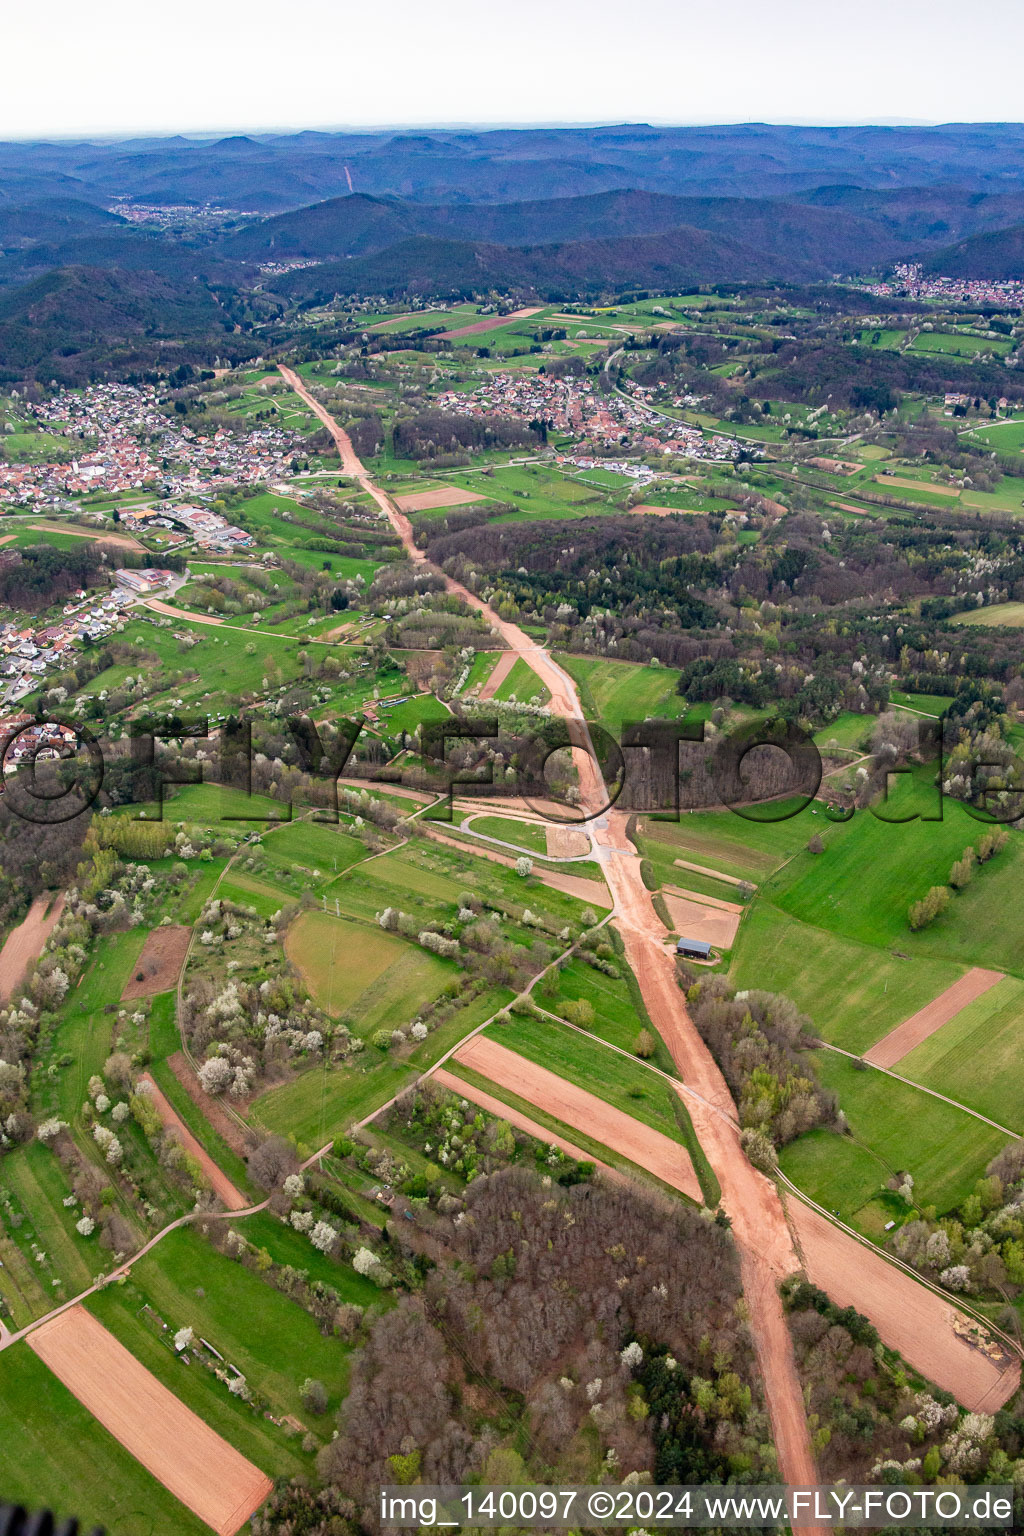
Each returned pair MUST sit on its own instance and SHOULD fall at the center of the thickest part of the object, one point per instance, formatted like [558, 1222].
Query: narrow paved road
[767, 1253]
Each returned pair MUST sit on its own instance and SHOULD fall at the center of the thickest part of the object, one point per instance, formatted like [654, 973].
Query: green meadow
[81, 1469]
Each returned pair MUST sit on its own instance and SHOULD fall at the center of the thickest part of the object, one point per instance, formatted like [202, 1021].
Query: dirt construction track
[759, 1224]
[767, 1244]
[190, 1459]
[909, 1318]
[648, 1148]
[899, 1041]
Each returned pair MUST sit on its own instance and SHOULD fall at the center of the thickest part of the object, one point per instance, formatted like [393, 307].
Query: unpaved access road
[766, 1248]
[219, 1181]
[901, 1040]
[191, 1460]
[668, 1160]
[908, 1316]
[180, 613]
[759, 1222]
[501, 669]
[25, 943]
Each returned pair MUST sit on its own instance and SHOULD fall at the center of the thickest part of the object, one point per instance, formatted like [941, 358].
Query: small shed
[693, 949]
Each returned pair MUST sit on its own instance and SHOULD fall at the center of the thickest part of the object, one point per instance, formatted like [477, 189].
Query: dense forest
[560, 1332]
[34, 576]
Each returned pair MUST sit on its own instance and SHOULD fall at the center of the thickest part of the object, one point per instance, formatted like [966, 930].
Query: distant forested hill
[271, 172]
[827, 239]
[996, 254]
[80, 323]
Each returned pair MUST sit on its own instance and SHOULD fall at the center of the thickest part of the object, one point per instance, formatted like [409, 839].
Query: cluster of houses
[121, 440]
[641, 473]
[908, 280]
[574, 407]
[23, 739]
[27, 653]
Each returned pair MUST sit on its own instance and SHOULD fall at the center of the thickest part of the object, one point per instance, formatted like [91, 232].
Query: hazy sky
[128, 66]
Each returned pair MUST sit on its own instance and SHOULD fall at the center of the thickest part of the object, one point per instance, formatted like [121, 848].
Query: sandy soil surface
[199, 1467]
[835, 466]
[501, 669]
[652, 511]
[901, 1040]
[695, 920]
[492, 323]
[909, 1318]
[25, 943]
[916, 485]
[584, 1111]
[159, 963]
[702, 869]
[704, 901]
[505, 1111]
[591, 891]
[444, 496]
[180, 613]
[122, 540]
[566, 842]
[8, 538]
[219, 1181]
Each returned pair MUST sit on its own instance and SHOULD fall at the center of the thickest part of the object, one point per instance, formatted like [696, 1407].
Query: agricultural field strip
[192, 1460]
[927, 1021]
[975, 1114]
[503, 1111]
[581, 1110]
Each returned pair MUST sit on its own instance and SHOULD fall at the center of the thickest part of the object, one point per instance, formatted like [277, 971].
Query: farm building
[693, 949]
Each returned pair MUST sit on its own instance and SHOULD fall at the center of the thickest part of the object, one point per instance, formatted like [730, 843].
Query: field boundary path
[181, 1451]
[899, 1042]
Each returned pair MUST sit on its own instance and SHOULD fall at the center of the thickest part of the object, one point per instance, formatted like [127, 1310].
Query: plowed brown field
[186, 1455]
[901, 1040]
[666, 1159]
